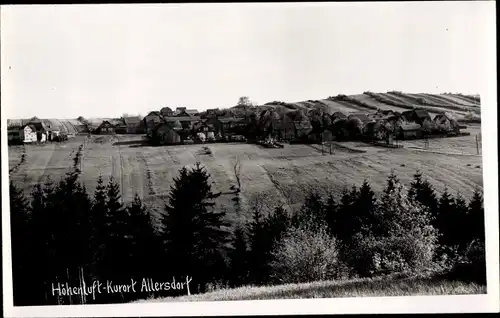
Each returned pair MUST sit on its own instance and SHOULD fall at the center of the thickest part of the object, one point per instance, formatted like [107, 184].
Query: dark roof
[155, 113]
[166, 109]
[184, 118]
[36, 125]
[421, 113]
[226, 120]
[131, 120]
[192, 111]
[408, 127]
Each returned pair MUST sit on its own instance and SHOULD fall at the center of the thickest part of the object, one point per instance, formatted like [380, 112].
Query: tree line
[64, 234]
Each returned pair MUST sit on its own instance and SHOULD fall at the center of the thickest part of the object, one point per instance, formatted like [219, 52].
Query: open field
[365, 287]
[277, 176]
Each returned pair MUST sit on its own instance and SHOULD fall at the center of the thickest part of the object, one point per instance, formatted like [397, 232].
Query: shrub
[305, 255]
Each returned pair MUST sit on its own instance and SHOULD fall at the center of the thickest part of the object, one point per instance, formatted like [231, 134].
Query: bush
[303, 255]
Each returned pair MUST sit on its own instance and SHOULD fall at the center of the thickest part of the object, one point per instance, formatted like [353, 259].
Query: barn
[151, 120]
[132, 124]
[416, 116]
[105, 128]
[167, 112]
[167, 134]
[410, 131]
[446, 124]
[338, 115]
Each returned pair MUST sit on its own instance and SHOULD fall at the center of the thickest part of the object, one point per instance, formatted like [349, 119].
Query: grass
[365, 287]
[284, 175]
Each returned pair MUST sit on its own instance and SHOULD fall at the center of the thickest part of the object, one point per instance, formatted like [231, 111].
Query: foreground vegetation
[362, 287]
[63, 234]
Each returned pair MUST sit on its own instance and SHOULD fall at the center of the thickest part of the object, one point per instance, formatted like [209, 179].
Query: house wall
[27, 135]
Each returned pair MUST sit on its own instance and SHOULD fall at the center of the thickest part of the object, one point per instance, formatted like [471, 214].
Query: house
[302, 128]
[227, 124]
[120, 126]
[29, 133]
[151, 120]
[211, 112]
[34, 131]
[52, 132]
[105, 128]
[132, 124]
[167, 112]
[192, 112]
[338, 115]
[410, 131]
[416, 116]
[187, 122]
[444, 123]
[166, 134]
[285, 129]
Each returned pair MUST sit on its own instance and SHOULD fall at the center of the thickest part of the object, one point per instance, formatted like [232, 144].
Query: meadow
[269, 176]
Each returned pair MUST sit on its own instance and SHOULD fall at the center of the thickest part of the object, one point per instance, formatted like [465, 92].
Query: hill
[377, 287]
[461, 107]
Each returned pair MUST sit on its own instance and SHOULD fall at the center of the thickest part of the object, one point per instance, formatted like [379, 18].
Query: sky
[65, 61]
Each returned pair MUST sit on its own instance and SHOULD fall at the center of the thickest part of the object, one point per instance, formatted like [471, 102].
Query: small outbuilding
[410, 131]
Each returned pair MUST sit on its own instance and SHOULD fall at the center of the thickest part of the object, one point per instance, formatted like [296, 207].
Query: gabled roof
[182, 118]
[166, 109]
[412, 126]
[361, 116]
[36, 125]
[106, 122]
[226, 120]
[421, 113]
[192, 111]
[154, 113]
[131, 120]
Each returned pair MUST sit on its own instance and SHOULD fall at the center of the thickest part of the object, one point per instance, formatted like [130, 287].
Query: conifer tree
[257, 248]
[238, 259]
[364, 209]
[446, 213]
[331, 213]
[423, 192]
[195, 234]
[22, 250]
[312, 211]
[459, 222]
[97, 219]
[476, 217]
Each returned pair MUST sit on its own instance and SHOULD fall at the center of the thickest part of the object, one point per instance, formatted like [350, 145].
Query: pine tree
[194, 233]
[312, 211]
[257, 248]
[364, 209]
[331, 213]
[97, 219]
[22, 251]
[238, 258]
[445, 218]
[343, 222]
[423, 192]
[145, 244]
[459, 223]
[476, 217]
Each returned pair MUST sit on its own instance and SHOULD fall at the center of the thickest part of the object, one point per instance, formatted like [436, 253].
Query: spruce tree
[331, 213]
[459, 222]
[476, 217]
[97, 219]
[26, 286]
[364, 209]
[423, 192]
[312, 211]
[444, 218]
[238, 259]
[195, 234]
[257, 248]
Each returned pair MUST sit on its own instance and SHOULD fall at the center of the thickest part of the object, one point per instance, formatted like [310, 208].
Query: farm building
[410, 131]
[151, 120]
[166, 134]
[285, 129]
[376, 131]
[183, 112]
[416, 116]
[302, 128]
[33, 133]
[214, 124]
[187, 122]
[132, 124]
[338, 115]
[167, 112]
[105, 128]
[444, 123]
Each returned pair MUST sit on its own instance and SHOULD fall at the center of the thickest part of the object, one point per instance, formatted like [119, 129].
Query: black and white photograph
[174, 156]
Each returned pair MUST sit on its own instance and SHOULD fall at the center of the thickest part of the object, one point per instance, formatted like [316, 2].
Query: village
[266, 126]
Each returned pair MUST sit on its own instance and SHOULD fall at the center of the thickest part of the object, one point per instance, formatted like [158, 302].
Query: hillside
[461, 107]
[377, 287]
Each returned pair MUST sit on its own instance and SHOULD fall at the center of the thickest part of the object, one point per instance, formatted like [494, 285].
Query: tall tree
[195, 234]
[444, 219]
[423, 192]
[312, 211]
[476, 217]
[238, 258]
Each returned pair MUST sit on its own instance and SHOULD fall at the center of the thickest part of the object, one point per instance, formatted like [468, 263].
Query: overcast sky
[105, 60]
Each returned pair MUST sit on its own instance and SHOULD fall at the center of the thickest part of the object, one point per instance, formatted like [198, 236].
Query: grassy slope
[282, 175]
[334, 289]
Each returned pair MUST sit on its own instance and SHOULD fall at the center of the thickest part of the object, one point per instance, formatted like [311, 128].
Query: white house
[28, 134]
